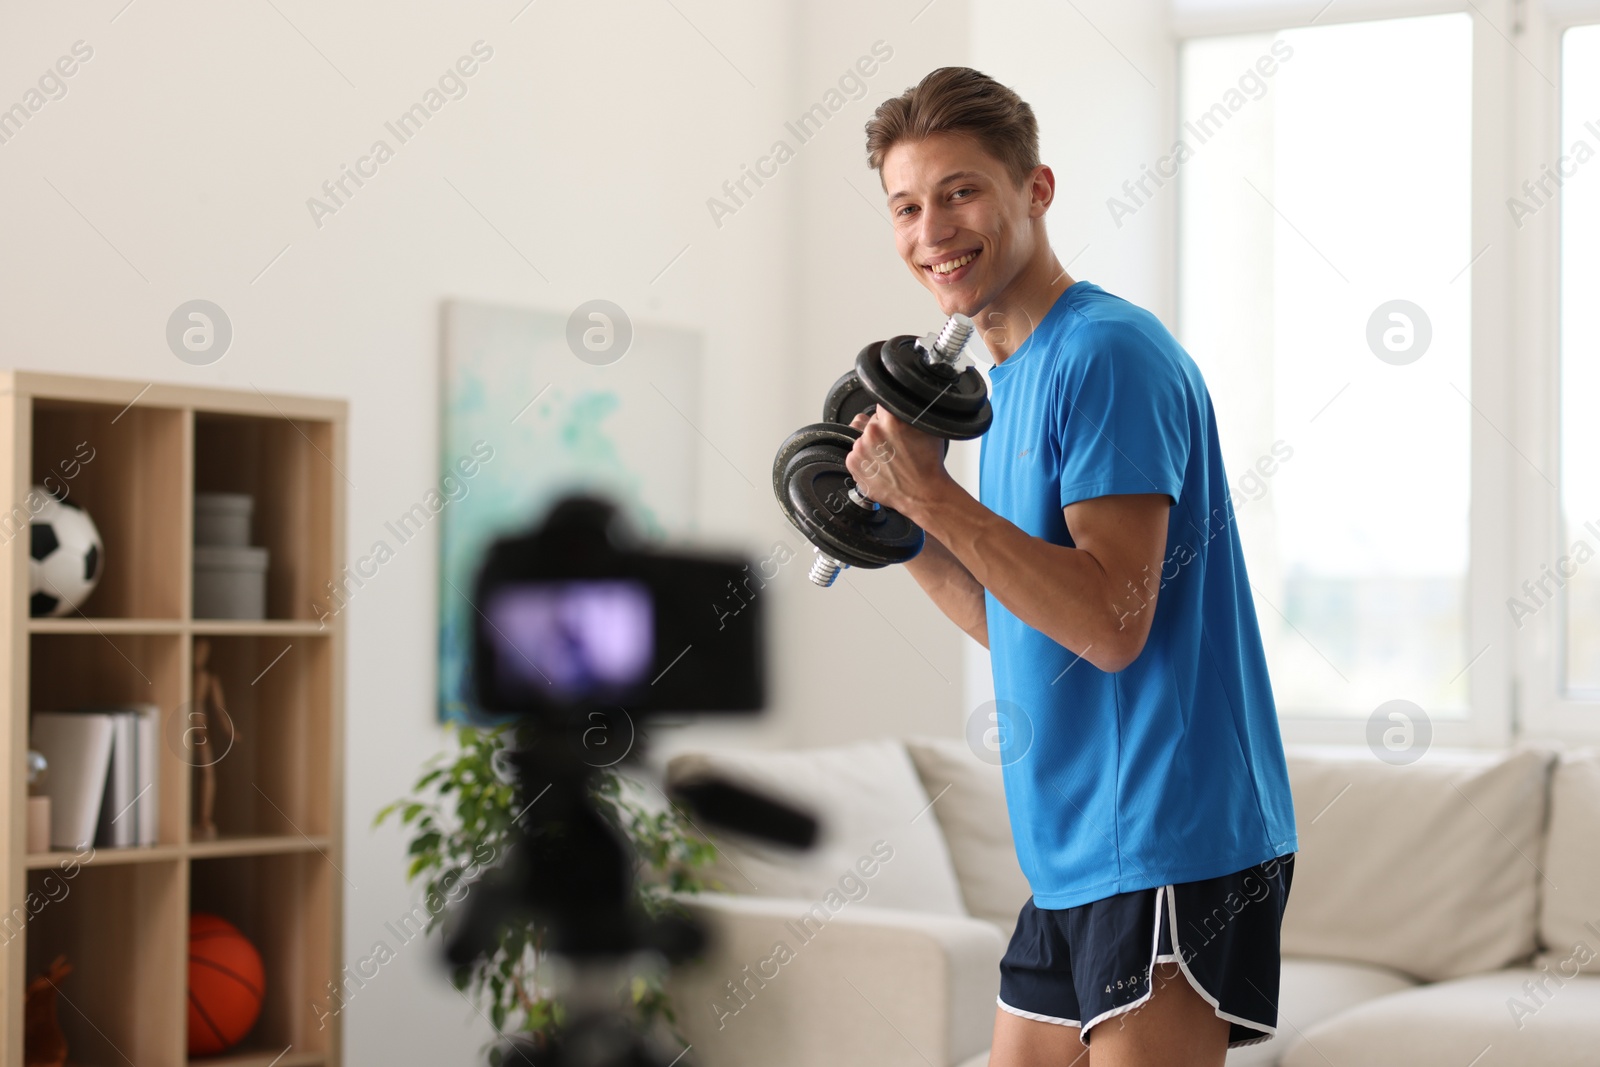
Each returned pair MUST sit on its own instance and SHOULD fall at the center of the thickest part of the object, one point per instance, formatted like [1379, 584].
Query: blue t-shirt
[1171, 770]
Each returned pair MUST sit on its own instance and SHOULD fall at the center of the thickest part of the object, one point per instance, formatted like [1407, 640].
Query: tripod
[570, 871]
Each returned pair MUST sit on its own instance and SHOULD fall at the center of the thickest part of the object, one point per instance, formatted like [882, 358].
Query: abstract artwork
[530, 411]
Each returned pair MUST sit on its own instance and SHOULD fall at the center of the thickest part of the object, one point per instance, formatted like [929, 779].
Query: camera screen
[571, 640]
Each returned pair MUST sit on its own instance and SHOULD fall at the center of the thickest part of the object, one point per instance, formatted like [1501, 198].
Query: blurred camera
[574, 615]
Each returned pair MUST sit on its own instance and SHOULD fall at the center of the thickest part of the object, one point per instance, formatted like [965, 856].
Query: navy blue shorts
[1081, 966]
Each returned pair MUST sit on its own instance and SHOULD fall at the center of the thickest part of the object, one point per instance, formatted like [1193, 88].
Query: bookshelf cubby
[277, 697]
[134, 455]
[122, 928]
[289, 470]
[265, 896]
[76, 670]
[126, 470]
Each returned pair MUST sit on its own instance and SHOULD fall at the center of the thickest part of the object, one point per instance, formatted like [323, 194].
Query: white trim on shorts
[1166, 893]
[1150, 977]
[1035, 1016]
[1268, 1031]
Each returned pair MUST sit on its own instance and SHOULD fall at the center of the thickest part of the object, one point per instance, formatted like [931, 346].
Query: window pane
[1324, 242]
[1580, 355]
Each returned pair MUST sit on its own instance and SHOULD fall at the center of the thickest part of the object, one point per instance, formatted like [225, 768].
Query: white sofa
[1446, 912]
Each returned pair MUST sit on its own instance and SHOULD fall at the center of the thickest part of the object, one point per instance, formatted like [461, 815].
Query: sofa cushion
[780, 986]
[970, 803]
[1487, 1020]
[1310, 991]
[1569, 919]
[1429, 868]
[870, 803]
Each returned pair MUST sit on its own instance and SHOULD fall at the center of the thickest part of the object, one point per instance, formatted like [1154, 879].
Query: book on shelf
[102, 779]
[77, 749]
[128, 808]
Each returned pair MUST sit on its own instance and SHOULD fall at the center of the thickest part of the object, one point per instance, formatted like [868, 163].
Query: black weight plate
[847, 398]
[919, 413]
[813, 519]
[956, 392]
[818, 482]
[848, 533]
[810, 480]
[889, 390]
[804, 437]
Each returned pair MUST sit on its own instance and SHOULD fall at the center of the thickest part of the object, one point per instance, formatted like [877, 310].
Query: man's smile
[951, 267]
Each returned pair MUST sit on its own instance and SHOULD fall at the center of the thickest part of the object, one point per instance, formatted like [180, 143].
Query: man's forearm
[952, 587]
[1064, 593]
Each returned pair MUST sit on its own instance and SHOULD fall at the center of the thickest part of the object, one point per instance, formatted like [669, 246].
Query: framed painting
[538, 404]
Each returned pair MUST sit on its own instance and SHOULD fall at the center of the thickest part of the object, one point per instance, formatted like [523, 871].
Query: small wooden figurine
[212, 727]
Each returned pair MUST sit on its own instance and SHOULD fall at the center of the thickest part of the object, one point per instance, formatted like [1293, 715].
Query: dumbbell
[919, 381]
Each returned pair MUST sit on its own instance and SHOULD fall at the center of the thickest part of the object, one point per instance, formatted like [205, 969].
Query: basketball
[226, 983]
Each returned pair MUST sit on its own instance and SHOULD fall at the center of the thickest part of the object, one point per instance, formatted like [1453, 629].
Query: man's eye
[905, 209]
[962, 193]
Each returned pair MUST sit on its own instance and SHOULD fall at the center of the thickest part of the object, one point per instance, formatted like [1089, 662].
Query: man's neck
[1012, 316]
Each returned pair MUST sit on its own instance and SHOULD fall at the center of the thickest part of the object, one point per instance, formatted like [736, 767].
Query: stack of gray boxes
[230, 575]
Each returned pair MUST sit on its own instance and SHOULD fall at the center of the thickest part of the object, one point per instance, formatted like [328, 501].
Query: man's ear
[1042, 191]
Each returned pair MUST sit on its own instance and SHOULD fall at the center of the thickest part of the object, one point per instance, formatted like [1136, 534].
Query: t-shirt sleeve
[1122, 416]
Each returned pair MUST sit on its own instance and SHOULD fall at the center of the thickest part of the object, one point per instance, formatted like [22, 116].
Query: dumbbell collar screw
[945, 347]
[825, 569]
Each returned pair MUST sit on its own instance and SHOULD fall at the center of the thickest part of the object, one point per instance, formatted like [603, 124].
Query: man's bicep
[1127, 536]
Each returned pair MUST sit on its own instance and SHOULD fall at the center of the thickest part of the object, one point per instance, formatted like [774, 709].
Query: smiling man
[1144, 772]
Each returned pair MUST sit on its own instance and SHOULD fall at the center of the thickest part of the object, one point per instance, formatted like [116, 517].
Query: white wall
[188, 146]
[1101, 78]
[191, 141]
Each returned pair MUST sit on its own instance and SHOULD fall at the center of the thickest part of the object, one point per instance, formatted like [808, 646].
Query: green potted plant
[460, 815]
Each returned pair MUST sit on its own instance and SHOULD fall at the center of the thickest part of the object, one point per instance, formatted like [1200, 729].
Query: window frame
[1545, 710]
[1514, 688]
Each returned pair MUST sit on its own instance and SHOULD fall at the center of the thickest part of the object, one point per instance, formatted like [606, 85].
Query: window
[1328, 304]
[1578, 557]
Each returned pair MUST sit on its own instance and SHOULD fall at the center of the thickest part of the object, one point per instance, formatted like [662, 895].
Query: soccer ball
[64, 558]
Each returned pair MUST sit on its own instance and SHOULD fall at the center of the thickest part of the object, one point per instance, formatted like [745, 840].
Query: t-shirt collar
[1048, 325]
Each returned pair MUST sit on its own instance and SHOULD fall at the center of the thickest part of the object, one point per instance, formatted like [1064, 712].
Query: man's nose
[937, 227]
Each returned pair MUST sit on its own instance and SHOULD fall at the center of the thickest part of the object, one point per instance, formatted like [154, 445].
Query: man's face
[961, 223]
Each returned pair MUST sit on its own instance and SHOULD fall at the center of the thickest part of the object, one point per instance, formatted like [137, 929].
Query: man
[1144, 771]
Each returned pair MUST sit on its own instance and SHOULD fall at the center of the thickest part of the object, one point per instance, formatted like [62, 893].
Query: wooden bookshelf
[274, 869]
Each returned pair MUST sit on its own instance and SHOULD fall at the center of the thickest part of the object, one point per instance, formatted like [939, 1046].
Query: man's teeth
[950, 265]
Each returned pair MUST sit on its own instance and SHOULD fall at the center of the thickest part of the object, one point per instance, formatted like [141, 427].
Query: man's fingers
[852, 462]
